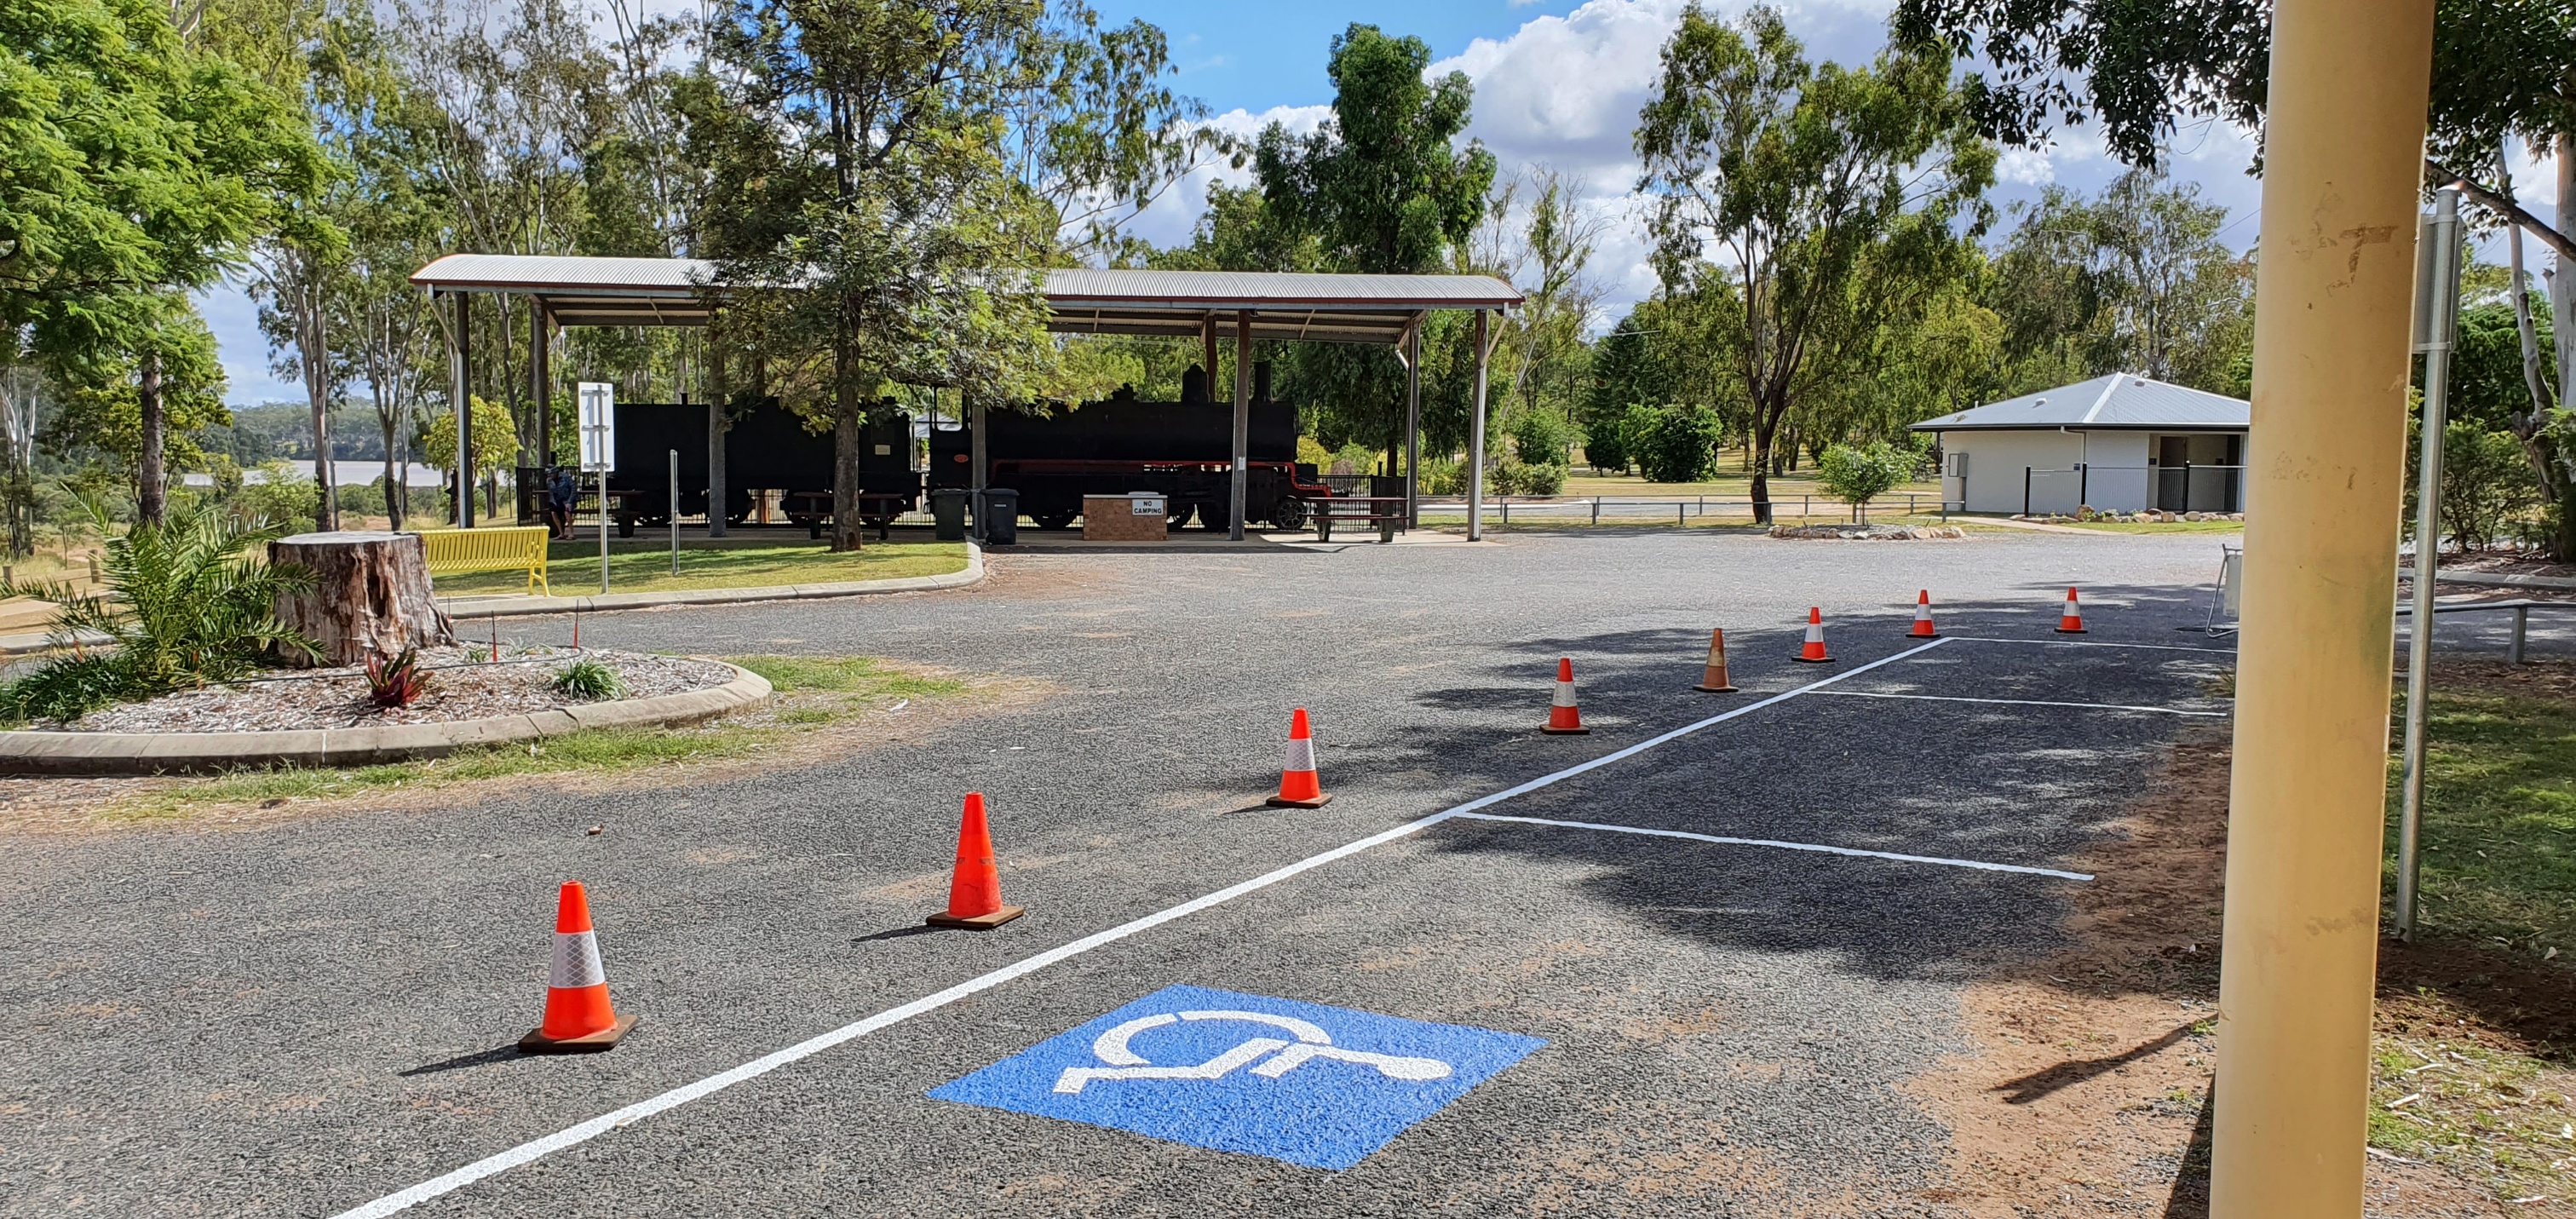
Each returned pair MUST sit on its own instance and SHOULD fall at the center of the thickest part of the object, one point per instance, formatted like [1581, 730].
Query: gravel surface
[296, 1018]
[465, 684]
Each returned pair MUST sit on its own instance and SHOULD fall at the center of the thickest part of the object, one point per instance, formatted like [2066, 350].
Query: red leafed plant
[397, 682]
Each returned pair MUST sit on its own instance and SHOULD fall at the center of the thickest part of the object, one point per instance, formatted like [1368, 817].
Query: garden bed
[1868, 533]
[464, 684]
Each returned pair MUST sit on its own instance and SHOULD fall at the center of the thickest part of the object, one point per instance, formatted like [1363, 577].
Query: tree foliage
[1837, 196]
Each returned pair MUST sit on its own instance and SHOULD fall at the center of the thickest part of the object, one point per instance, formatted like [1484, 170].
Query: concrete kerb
[148, 753]
[528, 606]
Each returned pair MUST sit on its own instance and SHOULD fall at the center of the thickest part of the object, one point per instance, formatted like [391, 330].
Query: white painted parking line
[504, 1161]
[1979, 864]
[2020, 702]
[2093, 643]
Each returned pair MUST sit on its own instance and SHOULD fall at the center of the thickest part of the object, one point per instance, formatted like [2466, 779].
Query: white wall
[1995, 464]
[2118, 479]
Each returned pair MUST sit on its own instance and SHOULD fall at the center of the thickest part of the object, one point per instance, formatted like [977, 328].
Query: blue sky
[1558, 83]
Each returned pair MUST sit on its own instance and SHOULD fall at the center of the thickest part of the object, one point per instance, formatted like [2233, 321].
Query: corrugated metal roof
[583, 291]
[2120, 401]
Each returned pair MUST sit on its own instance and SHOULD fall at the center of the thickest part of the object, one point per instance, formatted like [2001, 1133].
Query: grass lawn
[2499, 860]
[639, 566]
[813, 692]
[2498, 897]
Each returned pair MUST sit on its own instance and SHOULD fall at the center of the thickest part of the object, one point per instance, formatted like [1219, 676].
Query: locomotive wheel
[1177, 515]
[1056, 519]
[1290, 514]
[1216, 517]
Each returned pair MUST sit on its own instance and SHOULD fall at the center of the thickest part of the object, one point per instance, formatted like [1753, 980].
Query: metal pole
[2083, 484]
[1413, 426]
[675, 512]
[975, 481]
[2342, 167]
[603, 532]
[2025, 491]
[2437, 262]
[1476, 440]
[460, 398]
[540, 376]
[1242, 421]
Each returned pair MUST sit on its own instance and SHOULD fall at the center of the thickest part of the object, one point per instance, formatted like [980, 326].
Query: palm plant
[191, 601]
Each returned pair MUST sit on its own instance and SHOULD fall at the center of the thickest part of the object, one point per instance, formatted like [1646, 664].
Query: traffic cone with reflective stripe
[1299, 786]
[578, 1019]
[1562, 717]
[1814, 652]
[2070, 622]
[1923, 617]
[1713, 678]
[975, 887]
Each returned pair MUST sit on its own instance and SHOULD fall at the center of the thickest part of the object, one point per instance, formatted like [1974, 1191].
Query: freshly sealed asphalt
[304, 1017]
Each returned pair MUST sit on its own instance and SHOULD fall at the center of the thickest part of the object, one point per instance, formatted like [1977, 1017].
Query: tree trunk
[317, 388]
[370, 595]
[149, 491]
[845, 455]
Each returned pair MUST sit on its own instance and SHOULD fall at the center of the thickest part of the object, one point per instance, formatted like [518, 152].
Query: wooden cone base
[1285, 802]
[536, 1042]
[1705, 688]
[1551, 731]
[980, 922]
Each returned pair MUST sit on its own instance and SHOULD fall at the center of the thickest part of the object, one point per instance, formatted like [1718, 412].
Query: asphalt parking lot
[314, 1016]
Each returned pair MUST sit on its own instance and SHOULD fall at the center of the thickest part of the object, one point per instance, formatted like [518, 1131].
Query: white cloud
[1169, 221]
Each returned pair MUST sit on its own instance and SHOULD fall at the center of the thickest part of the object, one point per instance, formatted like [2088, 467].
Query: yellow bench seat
[452, 552]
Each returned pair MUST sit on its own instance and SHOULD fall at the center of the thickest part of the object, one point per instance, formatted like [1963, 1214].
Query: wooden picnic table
[1384, 511]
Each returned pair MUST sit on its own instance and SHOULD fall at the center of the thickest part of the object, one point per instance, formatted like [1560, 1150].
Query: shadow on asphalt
[505, 1052]
[2020, 785]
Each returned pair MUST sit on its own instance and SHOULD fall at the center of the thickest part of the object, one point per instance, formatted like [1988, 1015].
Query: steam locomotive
[1183, 450]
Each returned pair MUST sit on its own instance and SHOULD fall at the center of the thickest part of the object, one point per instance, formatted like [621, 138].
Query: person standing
[561, 495]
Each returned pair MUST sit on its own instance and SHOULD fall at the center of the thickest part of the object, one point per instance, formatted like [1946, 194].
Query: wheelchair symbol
[1283, 1056]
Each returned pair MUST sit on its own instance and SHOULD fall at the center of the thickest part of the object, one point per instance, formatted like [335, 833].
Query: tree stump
[370, 594]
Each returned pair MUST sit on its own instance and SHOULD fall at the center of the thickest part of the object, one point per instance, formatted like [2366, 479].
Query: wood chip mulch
[465, 684]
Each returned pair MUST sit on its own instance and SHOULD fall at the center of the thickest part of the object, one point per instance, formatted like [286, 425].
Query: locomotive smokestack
[1194, 387]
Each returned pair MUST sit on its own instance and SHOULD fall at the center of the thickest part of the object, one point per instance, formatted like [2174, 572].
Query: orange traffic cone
[1923, 617]
[2071, 622]
[1713, 678]
[1814, 652]
[1299, 787]
[975, 888]
[1562, 717]
[578, 1019]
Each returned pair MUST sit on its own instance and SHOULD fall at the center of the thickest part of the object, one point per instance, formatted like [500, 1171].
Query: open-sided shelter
[1208, 306]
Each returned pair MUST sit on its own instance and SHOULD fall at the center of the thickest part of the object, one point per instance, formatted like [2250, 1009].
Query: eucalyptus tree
[1383, 186]
[2134, 279]
[137, 170]
[902, 248]
[1841, 199]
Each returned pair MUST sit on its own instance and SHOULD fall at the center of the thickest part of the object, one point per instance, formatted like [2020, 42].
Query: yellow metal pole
[2342, 168]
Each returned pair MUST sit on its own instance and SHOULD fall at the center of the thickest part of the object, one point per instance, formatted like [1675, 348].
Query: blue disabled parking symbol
[1301, 1082]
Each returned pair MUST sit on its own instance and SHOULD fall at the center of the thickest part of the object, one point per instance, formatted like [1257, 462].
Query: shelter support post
[460, 398]
[976, 481]
[1413, 426]
[1242, 417]
[2343, 162]
[719, 395]
[1476, 439]
[1207, 353]
[540, 387]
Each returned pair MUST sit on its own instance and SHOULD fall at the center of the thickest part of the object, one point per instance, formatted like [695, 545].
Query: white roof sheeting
[583, 291]
[2118, 402]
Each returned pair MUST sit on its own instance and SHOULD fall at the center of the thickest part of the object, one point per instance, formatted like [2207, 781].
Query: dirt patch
[2088, 1090]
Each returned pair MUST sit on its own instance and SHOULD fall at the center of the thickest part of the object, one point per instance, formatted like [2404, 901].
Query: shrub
[1441, 476]
[1505, 477]
[191, 603]
[1858, 476]
[282, 497]
[1678, 444]
[588, 679]
[1605, 443]
[1542, 437]
[398, 682]
[363, 499]
[1543, 478]
[2486, 482]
